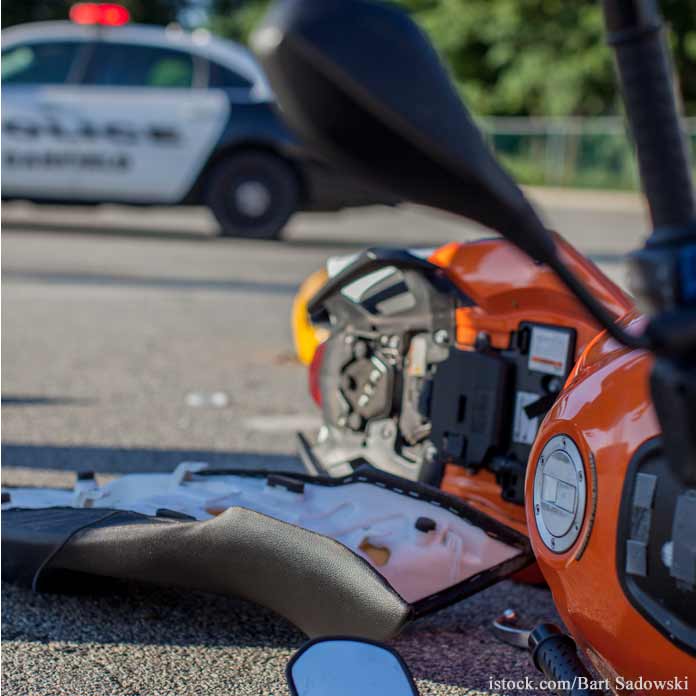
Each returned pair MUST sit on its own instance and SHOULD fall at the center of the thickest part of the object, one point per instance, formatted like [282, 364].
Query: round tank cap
[560, 492]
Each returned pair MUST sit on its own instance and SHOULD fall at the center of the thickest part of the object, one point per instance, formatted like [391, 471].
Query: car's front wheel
[253, 195]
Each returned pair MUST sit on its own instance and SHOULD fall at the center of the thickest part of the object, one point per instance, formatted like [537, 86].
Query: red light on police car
[106, 14]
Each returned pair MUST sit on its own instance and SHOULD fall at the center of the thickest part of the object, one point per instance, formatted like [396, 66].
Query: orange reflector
[107, 14]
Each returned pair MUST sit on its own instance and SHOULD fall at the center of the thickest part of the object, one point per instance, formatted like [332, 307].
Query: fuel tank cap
[560, 491]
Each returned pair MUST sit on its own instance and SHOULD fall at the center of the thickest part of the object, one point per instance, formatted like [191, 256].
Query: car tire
[253, 194]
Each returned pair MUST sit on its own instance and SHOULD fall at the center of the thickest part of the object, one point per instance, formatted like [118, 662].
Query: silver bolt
[360, 350]
[509, 616]
[483, 340]
[555, 385]
[354, 421]
[441, 336]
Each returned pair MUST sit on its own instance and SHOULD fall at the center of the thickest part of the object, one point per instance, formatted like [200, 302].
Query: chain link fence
[572, 152]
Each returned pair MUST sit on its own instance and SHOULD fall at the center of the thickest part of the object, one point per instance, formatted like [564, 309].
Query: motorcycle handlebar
[645, 71]
[554, 653]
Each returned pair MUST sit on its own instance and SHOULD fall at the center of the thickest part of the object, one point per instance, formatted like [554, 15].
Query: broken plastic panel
[385, 549]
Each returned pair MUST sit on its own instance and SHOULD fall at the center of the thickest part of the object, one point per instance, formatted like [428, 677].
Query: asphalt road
[122, 330]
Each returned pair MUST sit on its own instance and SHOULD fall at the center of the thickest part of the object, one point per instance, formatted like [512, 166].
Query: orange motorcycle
[610, 485]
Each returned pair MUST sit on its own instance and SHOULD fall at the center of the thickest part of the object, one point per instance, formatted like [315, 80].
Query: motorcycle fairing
[361, 555]
[449, 390]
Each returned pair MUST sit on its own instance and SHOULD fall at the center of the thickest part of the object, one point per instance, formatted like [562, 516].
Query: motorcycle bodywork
[630, 571]
[612, 523]
[455, 378]
[362, 555]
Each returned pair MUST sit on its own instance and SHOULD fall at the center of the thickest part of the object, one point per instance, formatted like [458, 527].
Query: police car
[101, 110]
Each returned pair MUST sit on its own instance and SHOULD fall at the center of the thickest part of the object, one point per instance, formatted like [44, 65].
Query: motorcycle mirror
[348, 667]
[361, 83]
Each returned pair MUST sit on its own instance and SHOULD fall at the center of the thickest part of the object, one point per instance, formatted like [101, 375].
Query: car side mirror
[348, 667]
[361, 82]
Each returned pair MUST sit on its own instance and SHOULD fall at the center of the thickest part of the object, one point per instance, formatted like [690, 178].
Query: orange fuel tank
[605, 411]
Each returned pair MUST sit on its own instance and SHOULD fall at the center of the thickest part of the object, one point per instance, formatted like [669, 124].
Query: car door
[40, 118]
[155, 119]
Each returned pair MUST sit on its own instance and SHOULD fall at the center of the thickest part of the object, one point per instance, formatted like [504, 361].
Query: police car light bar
[106, 14]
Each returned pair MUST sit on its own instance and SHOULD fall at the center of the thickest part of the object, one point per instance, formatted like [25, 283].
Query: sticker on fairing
[548, 351]
[524, 429]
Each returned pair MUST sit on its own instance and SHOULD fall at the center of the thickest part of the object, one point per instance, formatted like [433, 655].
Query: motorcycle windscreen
[361, 555]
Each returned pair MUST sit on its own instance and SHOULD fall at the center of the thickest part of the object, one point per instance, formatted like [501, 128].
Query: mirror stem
[596, 308]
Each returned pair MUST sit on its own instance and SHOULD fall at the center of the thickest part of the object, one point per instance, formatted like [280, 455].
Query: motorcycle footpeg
[362, 555]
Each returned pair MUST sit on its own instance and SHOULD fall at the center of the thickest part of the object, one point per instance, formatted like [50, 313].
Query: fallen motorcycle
[609, 493]
[611, 505]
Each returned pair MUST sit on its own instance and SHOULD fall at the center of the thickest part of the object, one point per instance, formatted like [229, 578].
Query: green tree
[546, 57]
[236, 18]
[681, 15]
[519, 57]
[522, 57]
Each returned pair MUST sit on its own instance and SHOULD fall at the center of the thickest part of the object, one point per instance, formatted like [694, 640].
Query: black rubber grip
[554, 653]
[646, 71]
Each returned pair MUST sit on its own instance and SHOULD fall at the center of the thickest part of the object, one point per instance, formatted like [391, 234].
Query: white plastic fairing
[420, 547]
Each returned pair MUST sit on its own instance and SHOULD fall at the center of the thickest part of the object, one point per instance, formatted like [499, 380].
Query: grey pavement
[116, 323]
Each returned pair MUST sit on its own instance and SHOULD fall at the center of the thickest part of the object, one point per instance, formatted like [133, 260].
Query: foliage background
[509, 57]
[520, 57]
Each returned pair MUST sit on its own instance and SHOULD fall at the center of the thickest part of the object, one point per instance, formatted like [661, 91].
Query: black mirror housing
[360, 81]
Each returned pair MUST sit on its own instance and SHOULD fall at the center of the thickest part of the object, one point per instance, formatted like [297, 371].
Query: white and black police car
[99, 110]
